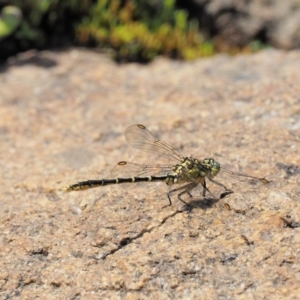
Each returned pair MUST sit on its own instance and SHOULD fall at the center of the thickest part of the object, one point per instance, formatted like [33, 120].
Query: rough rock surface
[62, 118]
[240, 22]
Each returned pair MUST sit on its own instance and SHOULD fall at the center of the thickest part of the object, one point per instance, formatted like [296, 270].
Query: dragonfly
[188, 172]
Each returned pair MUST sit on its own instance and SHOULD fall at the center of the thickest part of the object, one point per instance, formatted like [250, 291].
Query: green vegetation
[44, 19]
[136, 30]
[129, 30]
[10, 19]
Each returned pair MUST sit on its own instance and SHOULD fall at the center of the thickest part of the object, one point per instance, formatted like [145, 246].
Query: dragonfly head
[213, 166]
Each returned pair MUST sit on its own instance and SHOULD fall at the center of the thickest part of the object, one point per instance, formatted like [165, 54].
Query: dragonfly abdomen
[88, 184]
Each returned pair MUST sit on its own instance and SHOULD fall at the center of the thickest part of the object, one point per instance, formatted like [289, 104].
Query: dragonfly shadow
[202, 203]
[205, 203]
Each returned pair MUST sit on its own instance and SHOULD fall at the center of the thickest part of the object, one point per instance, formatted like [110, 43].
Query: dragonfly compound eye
[215, 169]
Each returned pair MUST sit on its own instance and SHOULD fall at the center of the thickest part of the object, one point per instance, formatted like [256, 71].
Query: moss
[136, 32]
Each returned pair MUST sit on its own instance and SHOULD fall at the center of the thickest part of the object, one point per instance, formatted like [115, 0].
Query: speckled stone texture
[62, 118]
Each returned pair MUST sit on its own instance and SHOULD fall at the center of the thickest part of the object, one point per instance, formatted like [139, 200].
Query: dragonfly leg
[205, 189]
[220, 184]
[227, 191]
[186, 189]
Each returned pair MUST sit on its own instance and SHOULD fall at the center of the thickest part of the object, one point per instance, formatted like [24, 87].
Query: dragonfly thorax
[190, 170]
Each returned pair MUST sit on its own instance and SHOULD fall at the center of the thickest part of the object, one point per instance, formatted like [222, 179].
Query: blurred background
[139, 30]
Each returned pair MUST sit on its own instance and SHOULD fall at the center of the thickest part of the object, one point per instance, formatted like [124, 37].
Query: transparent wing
[126, 169]
[238, 181]
[244, 177]
[139, 137]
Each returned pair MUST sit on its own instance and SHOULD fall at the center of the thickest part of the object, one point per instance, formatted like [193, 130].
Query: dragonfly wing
[139, 137]
[244, 177]
[238, 181]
